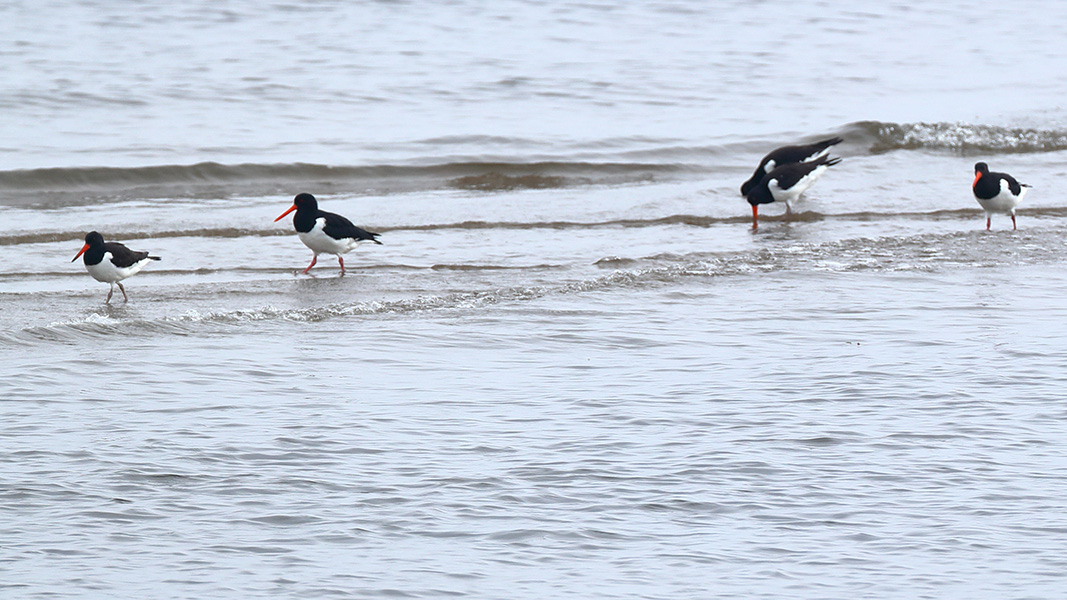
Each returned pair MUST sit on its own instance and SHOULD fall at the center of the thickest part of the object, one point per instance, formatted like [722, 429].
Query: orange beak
[80, 252]
[291, 209]
[755, 215]
[977, 176]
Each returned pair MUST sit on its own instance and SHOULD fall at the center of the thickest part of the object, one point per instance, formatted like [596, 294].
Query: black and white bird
[111, 262]
[787, 155]
[996, 192]
[786, 183]
[324, 232]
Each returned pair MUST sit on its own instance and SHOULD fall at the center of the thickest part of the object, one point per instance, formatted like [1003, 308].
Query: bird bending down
[996, 192]
[788, 155]
[786, 183]
[324, 232]
[111, 262]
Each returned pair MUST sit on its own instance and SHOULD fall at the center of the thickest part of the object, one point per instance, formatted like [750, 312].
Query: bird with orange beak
[324, 232]
[111, 262]
[786, 183]
[996, 193]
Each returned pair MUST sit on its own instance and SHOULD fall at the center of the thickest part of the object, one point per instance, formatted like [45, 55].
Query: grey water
[572, 369]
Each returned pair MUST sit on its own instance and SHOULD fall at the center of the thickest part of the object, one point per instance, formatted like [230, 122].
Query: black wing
[123, 257]
[339, 227]
[795, 154]
[1014, 186]
[787, 155]
[789, 175]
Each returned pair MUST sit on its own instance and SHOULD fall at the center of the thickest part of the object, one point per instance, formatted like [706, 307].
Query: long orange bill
[977, 176]
[80, 252]
[291, 209]
[755, 215]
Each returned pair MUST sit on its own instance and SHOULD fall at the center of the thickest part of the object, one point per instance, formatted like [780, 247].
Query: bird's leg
[109, 292]
[314, 259]
[341, 261]
[1013, 221]
[755, 216]
[988, 220]
[788, 211]
[125, 298]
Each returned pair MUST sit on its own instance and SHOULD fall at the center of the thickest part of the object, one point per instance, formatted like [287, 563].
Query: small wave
[961, 138]
[919, 253]
[478, 267]
[709, 221]
[491, 182]
[678, 219]
[76, 236]
[69, 186]
[586, 165]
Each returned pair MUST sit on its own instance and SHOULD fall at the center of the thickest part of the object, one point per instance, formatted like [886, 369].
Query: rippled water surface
[572, 369]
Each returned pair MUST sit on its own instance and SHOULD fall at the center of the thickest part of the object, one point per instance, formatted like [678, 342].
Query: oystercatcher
[996, 192]
[325, 232]
[111, 262]
[788, 155]
[786, 183]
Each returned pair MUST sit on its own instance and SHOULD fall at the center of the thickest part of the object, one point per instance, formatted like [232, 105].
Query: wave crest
[962, 138]
[78, 185]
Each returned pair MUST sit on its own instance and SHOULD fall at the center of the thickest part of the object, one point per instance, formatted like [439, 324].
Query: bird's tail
[829, 142]
[826, 160]
[153, 257]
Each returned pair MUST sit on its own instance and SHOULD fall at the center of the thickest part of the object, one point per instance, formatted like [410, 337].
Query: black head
[93, 241]
[302, 202]
[981, 168]
[760, 193]
[305, 202]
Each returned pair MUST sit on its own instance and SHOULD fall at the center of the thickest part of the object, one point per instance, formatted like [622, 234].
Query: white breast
[1004, 202]
[320, 243]
[106, 271]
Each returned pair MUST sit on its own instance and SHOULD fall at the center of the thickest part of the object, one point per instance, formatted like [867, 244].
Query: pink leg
[125, 298]
[314, 259]
[109, 292]
[1013, 221]
[988, 219]
[342, 263]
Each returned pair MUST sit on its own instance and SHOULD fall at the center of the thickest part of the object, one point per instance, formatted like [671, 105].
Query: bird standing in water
[786, 183]
[111, 262]
[996, 192]
[324, 232]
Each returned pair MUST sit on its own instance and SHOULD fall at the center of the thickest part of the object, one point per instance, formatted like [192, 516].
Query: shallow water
[571, 369]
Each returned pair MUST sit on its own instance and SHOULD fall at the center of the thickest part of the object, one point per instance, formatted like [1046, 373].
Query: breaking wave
[961, 138]
[590, 166]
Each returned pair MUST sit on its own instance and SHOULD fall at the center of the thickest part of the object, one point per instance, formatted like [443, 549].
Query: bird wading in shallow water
[788, 155]
[786, 183]
[111, 262]
[997, 193]
[324, 232]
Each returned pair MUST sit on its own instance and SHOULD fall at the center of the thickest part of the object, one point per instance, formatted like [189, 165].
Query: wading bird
[324, 232]
[996, 192]
[111, 262]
